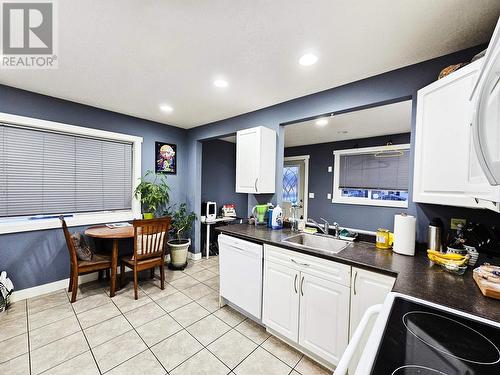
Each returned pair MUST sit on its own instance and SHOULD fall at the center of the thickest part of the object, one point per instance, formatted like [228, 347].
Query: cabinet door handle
[300, 264]
[354, 282]
[255, 184]
[295, 284]
[302, 286]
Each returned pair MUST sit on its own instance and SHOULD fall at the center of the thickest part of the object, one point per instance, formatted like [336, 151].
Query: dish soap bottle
[277, 218]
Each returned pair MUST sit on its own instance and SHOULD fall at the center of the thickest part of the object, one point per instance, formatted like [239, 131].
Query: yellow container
[384, 239]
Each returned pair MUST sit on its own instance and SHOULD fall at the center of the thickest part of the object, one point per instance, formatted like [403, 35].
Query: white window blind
[367, 171]
[51, 173]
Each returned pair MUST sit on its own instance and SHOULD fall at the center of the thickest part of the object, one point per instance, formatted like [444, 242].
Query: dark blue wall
[384, 88]
[39, 257]
[35, 258]
[321, 183]
[218, 176]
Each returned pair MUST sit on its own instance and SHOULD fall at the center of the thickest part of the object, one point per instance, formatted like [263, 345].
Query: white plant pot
[178, 251]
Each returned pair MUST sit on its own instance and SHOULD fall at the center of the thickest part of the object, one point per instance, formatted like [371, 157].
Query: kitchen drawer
[326, 269]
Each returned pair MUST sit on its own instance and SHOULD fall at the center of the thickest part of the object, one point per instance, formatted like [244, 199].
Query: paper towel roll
[404, 234]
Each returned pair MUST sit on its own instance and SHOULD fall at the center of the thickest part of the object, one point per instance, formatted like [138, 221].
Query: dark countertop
[415, 276]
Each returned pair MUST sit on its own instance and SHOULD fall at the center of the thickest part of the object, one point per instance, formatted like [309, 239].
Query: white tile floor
[179, 330]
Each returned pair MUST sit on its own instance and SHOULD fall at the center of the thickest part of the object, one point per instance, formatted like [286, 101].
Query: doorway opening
[295, 185]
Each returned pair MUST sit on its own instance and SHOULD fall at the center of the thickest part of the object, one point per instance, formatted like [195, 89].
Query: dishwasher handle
[345, 361]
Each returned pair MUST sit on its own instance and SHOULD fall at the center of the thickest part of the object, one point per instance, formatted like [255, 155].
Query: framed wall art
[166, 158]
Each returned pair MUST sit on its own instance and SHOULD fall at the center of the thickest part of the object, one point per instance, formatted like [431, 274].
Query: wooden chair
[150, 238]
[99, 263]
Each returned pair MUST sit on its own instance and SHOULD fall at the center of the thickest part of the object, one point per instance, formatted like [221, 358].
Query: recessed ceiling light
[308, 59]
[221, 83]
[166, 108]
[322, 122]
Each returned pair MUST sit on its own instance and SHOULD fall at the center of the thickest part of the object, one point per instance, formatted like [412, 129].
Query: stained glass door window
[291, 183]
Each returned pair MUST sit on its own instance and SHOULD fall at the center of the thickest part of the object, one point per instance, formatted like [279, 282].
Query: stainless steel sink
[317, 242]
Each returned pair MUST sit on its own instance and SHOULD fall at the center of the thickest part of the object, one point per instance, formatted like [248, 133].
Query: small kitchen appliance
[434, 233]
[229, 210]
[209, 210]
[259, 213]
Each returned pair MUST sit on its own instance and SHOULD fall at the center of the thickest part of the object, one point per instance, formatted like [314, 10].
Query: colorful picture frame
[165, 158]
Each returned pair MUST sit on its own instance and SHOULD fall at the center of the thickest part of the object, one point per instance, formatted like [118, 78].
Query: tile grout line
[189, 333]
[68, 359]
[203, 347]
[137, 333]
[85, 336]
[234, 328]
[28, 336]
[231, 328]
[206, 347]
[81, 327]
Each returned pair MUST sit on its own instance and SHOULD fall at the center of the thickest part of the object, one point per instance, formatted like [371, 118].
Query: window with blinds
[375, 171]
[50, 173]
[374, 176]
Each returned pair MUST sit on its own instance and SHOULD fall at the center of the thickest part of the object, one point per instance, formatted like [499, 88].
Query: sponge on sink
[310, 230]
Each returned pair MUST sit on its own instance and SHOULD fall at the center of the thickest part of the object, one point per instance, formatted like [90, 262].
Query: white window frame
[23, 224]
[305, 159]
[337, 194]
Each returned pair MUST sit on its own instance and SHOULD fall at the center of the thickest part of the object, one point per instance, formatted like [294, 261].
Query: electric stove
[421, 338]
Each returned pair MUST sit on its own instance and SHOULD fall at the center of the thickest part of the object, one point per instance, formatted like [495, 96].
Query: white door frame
[305, 159]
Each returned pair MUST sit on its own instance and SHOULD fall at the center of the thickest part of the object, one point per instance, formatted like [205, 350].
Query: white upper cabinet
[255, 160]
[442, 140]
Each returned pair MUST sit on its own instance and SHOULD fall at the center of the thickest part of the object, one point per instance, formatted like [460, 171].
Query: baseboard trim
[303, 350]
[194, 256]
[39, 290]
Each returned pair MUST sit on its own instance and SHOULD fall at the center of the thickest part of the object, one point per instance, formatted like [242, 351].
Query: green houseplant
[182, 222]
[153, 193]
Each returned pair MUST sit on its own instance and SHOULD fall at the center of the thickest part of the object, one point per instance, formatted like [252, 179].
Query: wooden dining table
[114, 234]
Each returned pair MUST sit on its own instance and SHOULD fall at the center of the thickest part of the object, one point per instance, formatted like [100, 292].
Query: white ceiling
[372, 122]
[130, 56]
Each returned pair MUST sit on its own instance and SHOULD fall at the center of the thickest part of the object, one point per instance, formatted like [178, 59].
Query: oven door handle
[351, 349]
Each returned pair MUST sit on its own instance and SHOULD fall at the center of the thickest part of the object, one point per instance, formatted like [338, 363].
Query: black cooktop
[420, 339]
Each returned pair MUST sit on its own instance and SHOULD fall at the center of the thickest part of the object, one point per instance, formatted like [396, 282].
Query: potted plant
[153, 193]
[182, 221]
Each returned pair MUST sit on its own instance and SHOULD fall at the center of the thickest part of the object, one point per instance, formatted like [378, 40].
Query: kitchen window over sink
[376, 176]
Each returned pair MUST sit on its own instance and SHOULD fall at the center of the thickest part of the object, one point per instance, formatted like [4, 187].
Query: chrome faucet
[337, 229]
[326, 226]
[323, 229]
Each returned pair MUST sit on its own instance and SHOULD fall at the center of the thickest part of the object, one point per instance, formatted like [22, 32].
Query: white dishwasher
[240, 264]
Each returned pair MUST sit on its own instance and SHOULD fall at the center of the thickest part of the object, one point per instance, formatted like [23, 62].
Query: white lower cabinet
[324, 315]
[367, 289]
[306, 300]
[281, 299]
